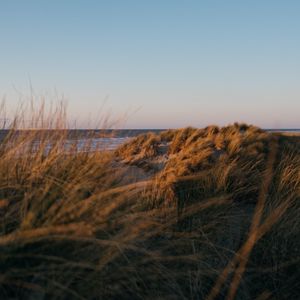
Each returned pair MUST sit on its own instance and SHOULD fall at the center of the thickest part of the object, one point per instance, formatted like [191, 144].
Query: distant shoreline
[126, 132]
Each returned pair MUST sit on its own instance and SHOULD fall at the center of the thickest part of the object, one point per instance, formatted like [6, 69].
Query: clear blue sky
[168, 63]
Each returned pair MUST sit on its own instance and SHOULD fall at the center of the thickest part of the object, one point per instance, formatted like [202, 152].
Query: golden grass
[216, 215]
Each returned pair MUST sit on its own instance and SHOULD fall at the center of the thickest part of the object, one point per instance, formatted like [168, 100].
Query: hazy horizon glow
[165, 64]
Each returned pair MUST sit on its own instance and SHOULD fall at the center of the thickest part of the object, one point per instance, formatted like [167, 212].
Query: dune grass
[216, 215]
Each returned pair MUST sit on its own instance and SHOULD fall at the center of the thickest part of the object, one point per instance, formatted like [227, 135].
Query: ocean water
[113, 142]
[93, 140]
[83, 140]
[91, 144]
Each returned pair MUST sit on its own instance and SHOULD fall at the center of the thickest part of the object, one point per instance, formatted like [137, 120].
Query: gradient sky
[165, 63]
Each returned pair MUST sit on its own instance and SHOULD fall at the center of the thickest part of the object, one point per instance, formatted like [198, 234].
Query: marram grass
[186, 214]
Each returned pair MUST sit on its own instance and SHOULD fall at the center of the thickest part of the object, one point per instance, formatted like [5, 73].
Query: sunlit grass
[205, 214]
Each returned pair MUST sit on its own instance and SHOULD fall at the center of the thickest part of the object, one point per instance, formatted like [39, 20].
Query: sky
[158, 63]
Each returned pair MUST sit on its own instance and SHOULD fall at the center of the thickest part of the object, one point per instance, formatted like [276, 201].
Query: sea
[109, 139]
[86, 139]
